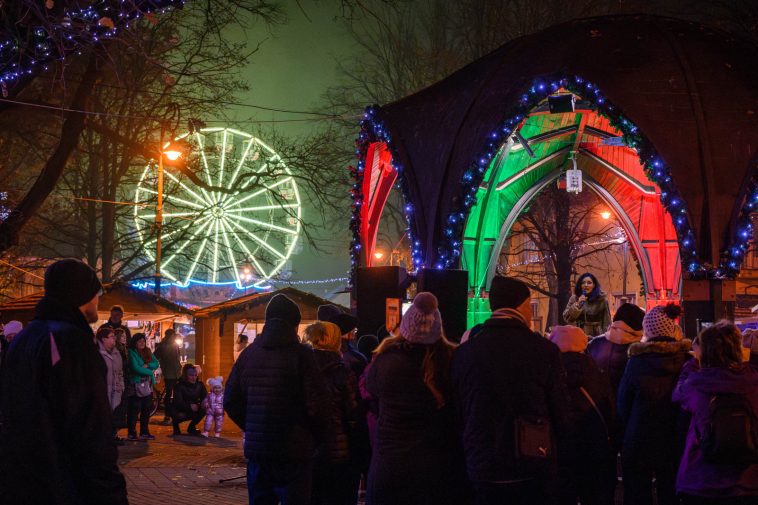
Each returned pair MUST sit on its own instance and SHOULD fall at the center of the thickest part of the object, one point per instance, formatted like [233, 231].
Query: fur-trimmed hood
[660, 347]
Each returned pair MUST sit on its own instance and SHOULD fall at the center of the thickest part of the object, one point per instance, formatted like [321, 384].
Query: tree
[558, 236]
[148, 84]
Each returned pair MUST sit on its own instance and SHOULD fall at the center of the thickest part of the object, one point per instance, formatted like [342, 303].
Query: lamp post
[173, 154]
[246, 276]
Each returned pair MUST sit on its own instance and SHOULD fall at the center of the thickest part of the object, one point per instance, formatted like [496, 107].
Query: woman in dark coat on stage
[415, 459]
[588, 307]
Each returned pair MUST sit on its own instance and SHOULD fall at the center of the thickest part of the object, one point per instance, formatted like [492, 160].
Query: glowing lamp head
[179, 341]
[172, 154]
[605, 215]
[378, 255]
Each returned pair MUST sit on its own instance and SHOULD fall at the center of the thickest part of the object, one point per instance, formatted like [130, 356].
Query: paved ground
[168, 471]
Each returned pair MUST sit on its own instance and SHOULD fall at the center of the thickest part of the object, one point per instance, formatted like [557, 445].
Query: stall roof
[137, 303]
[248, 302]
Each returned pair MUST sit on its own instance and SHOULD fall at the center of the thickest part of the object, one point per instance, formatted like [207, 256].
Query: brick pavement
[168, 471]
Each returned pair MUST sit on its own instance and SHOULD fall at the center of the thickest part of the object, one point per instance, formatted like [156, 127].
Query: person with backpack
[651, 446]
[587, 459]
[720, 461]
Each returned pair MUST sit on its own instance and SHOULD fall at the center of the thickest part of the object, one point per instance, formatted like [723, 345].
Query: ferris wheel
[242, 236]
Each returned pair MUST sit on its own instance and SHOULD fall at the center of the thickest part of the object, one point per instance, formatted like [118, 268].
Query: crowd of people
[510, 416]
[507, 417]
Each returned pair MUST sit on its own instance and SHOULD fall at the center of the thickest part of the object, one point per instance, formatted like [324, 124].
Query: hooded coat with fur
[610, 351]
[644, 399]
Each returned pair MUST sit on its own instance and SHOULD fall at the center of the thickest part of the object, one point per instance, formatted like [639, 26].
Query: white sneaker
[218, 435]
[204, 434]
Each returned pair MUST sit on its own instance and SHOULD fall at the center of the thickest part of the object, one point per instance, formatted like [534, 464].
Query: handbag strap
[594, 406]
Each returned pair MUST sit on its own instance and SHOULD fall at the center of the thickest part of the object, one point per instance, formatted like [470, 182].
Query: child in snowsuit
[214, 406]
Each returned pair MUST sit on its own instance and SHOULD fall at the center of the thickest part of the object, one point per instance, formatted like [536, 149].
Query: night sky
[294, 67]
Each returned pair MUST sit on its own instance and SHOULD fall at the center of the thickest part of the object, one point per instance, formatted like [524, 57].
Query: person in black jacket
[277, 395]
[651, 446]
[335, 478]
[587, 458]
[169, 356]
[56, 442]
[611, 349]
[415, 457]
[503, 377]
[187, 404]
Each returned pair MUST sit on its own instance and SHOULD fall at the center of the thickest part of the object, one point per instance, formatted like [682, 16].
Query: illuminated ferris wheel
[213, 236]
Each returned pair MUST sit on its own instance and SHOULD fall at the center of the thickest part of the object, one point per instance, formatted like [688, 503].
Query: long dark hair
[436, 364]
[578, 286]
[146, 353]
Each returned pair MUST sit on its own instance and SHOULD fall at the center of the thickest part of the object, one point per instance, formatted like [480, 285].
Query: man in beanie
[507, 379]
[115, 321]
[277, 395]
[611, 349]
[57, 441]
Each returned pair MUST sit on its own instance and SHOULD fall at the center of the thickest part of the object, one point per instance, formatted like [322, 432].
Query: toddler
[214, 406]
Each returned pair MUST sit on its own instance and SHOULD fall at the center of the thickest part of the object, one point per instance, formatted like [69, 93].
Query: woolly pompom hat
[216, 382]
[660, 321]
[422, 322]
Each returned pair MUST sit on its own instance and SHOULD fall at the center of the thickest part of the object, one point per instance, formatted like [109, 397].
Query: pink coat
[214, 403]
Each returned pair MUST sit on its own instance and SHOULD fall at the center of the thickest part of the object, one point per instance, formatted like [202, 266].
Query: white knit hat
[215, 381]
[12, 328]
[660, 321]
[422, 322]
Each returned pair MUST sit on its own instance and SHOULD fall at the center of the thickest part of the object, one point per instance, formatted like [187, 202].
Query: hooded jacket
[644, 399]
[56, 441]
[610, 351]
[277, 395]
[593, 317]
[168, 356]
[694, 391]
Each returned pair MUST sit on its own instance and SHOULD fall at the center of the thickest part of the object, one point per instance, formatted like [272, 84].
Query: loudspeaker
[372, 288]
[451, 289]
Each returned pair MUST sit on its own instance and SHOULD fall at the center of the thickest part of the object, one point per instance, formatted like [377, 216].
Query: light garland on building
[731, 259]
[75, 27]
[449, 250]
[373, 130]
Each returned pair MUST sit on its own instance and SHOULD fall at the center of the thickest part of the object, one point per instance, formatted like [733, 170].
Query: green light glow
[223, 233]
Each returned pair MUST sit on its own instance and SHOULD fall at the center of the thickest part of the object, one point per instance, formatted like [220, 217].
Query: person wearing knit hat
[281, 307]
[503, 378]
[409, 379]
[276, 394]
[47, 424]
[327, 312]
[11, 329]
[588, 459]
[651, 447]
[611, 349]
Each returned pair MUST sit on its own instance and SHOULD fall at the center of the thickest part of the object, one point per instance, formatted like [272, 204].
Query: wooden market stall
[217, 326]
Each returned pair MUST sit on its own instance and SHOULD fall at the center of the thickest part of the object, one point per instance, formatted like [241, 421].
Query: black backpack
[730, 434]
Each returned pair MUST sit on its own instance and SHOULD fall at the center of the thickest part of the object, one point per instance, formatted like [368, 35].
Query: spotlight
[561, 103]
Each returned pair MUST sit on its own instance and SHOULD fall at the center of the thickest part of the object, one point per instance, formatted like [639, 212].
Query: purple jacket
[693, 393]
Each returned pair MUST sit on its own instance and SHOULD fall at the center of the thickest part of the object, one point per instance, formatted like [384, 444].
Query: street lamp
[173, 153]
[246, 277]
[605, 215]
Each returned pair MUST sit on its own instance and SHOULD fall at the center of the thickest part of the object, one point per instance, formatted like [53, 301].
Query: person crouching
[188, 400]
